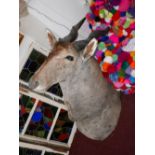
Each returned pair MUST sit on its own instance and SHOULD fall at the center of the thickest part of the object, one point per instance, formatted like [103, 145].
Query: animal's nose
[33, 84]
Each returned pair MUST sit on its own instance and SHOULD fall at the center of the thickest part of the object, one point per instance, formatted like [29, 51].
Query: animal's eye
[70, 58]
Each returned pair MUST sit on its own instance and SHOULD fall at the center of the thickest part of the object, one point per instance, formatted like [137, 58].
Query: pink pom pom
[118, 84]
[124, 5]
[114, 38]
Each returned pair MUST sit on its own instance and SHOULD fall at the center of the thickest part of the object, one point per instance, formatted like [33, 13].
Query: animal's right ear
[51, 38]
[89, 49]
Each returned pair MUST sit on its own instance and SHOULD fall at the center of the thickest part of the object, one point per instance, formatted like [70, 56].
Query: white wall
[57, 15]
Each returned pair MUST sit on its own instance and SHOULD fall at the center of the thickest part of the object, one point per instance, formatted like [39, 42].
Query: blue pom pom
[104, 38]
[122, 14]
[113, 77]
[132, 79]
[121, 38]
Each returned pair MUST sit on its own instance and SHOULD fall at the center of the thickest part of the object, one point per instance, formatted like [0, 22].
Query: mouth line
[53, 83]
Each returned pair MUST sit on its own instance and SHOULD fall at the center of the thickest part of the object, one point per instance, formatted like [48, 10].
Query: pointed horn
[98, 33]
[73, 33]
[81, 44]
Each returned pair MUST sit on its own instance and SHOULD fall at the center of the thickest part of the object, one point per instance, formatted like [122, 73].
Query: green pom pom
[115, 57]
[128, 15]
[127, 23]
[102, 13]
[101, 46]
[111, 47]
[112, 10]
[121, 73]
[125, 65]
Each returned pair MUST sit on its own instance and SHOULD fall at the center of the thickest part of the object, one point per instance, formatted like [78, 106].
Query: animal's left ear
[51, 38]
[89, 49]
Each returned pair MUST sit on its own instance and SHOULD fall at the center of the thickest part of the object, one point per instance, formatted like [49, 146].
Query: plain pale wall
[57, 15]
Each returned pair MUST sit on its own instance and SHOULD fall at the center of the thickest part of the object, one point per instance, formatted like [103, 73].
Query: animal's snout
[33, 84]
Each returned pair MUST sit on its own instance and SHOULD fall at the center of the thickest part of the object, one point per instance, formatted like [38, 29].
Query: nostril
[33, 84]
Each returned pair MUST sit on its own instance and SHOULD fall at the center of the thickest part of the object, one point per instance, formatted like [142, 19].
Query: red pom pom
[105, 74]
[116, 16]
[112, 69]
[99, 59]
[123, 56]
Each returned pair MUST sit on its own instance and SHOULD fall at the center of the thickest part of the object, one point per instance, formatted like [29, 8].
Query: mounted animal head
[66, 56]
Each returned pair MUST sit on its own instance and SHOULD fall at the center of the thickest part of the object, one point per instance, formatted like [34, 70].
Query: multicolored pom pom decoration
[116, 51]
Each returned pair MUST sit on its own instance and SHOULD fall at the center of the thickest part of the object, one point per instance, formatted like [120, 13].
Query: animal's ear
[51, 38]
[89, 49]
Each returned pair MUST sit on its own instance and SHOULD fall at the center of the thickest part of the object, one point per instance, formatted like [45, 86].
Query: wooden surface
[120, 142]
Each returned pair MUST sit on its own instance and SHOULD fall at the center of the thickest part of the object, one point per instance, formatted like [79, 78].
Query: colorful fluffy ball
[115, 52]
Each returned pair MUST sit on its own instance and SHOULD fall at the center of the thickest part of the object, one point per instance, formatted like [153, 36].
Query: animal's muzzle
[33, 84]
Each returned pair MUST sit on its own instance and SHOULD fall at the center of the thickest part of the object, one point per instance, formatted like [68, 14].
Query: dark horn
[98, 33]
[81, 44]
[73, 33]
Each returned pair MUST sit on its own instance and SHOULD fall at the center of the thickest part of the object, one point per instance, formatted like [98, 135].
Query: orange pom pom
[132, 65]
[105, 67]
[132, 54]
[108, 53]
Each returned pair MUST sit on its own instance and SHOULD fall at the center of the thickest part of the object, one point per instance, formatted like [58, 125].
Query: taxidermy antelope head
[91, 101]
